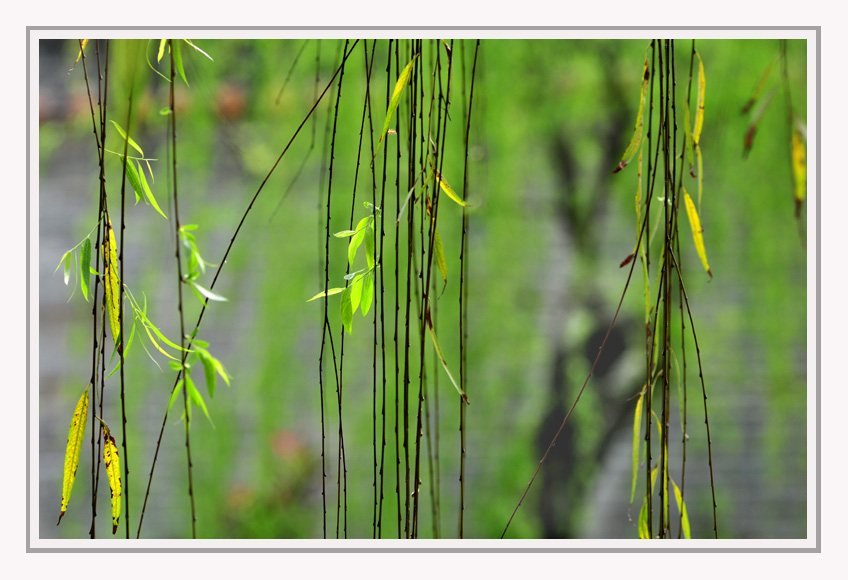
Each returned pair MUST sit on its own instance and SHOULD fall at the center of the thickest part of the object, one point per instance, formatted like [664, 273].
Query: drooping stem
[218, 273]
[177, 242]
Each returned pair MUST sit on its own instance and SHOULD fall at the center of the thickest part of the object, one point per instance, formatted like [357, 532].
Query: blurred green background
[548, 227]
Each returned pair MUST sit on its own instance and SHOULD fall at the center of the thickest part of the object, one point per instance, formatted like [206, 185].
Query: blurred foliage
[259, 468]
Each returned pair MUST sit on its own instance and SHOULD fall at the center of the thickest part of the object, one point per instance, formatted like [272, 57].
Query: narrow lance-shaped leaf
[147, 191]
[178, 60]
[356, 292]
[196, 398]
[799, 169]
[110, 258]
[442, 359]
[82, 48]
[637, 439]
[357, 239]
[697, 231]
[439, 254]
[329, 292]
[129, 140]
[643, 514]
[636, 140]
[443, 184]
[367, 293]
[699, 114]
[755, 118]
[113, 474]
[133, 178]
[347, 310]
[191, 44]
[760, 86]
[85, 267]
[72, 452]
[402, 81]
[207, 293]
[681, 508]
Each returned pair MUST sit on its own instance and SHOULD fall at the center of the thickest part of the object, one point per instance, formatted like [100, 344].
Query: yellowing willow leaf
[110, 259]
[449, 190]
[402, 81]
[697, 231]
[699, 115]
[681, 507]
[79, 55]
[636, 140]
[113, 474]
[799, 169]
[72, 452]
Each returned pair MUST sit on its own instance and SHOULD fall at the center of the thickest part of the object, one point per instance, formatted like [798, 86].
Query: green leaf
[439, 254]
[178, 60]
[402, 81]
[85, 267]
[133, 178]
[444, 362]
[208, 293]
[637, 429]
[347, 310]
[147, 192]
[369, 245]
[129, 140]
[174, 395]
[329, 292]
[73, 449]
[355, 292]
[196, 398]
[188, 42]
[68, 266]
[344, 233]
[636, 140]
[357, 239]
[62, 261]
[367, 294]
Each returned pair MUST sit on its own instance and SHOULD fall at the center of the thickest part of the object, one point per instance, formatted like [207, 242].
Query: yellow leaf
[72, 453]
[402, 81]
[799, 168]
[113, 473]
[636, 140]
[448, 189]
[699, 115]
[110, 259]
[79, 55]
[697, 231]
[681, 508]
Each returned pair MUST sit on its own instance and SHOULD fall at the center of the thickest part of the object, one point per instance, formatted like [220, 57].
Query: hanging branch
[173, 122]
[463, 290]
[218, 273]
